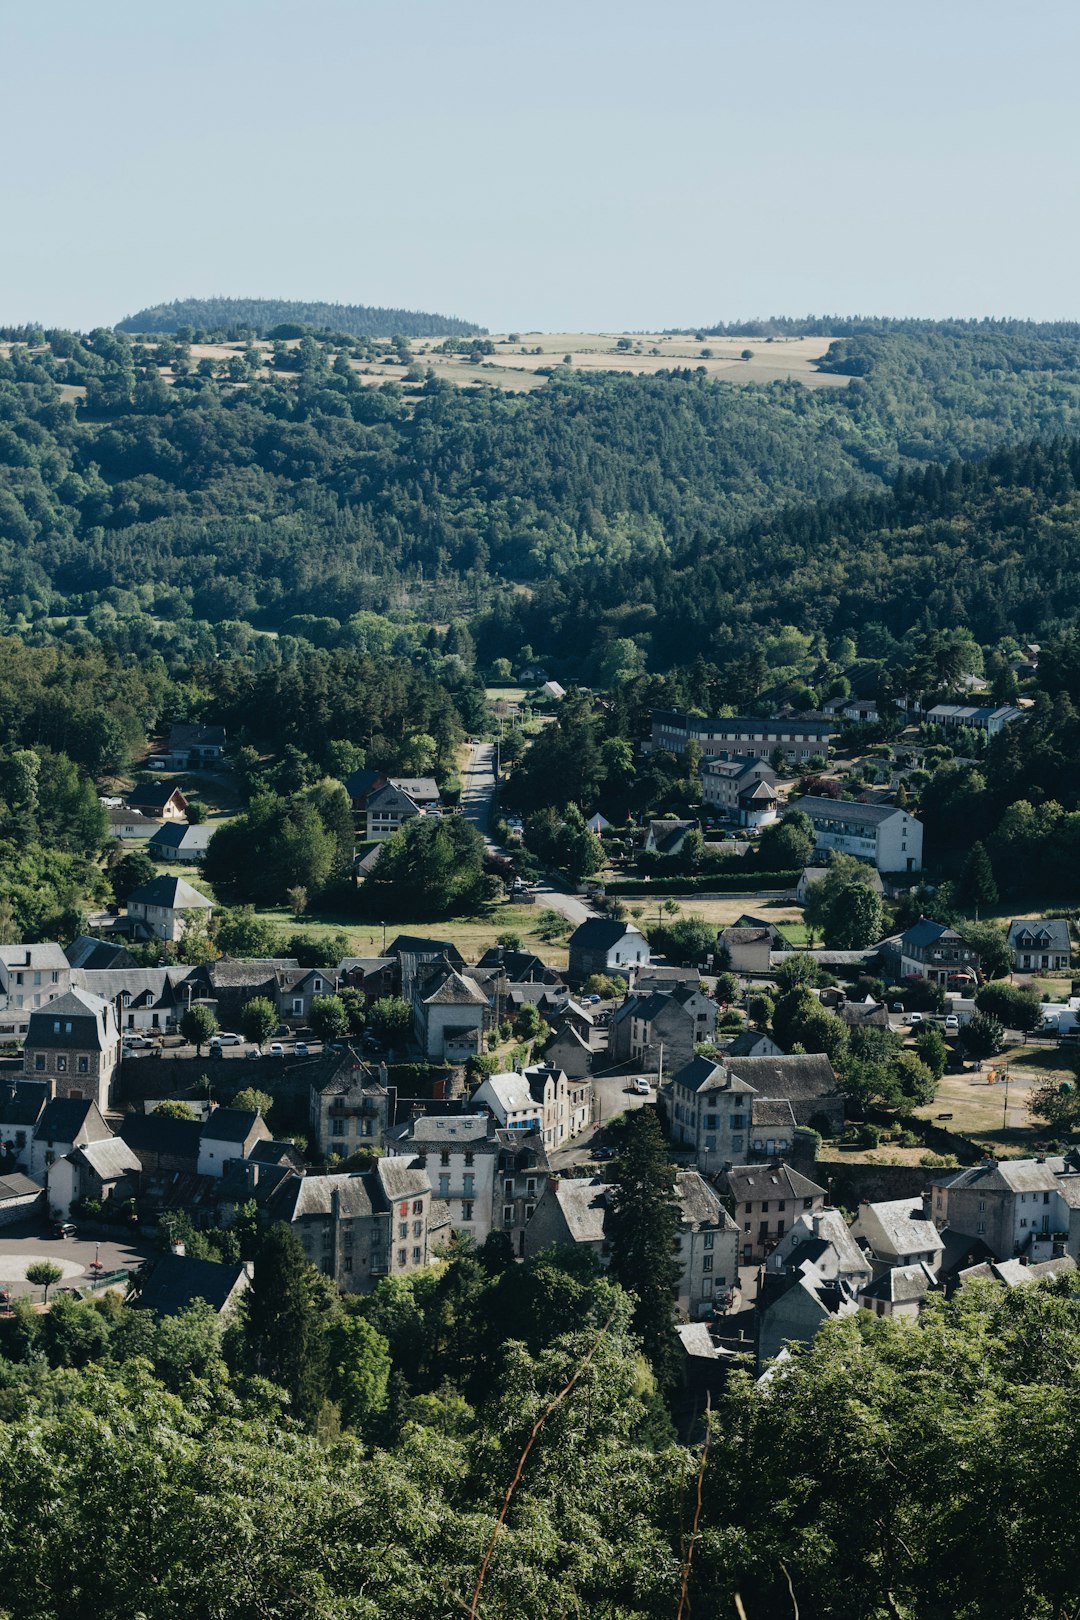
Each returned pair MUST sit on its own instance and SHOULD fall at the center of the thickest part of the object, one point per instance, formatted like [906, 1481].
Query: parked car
[226, 1037]
[65, 1229]
[643, 1088]
[276, 1049]
[952, 1024]
[915, 1018]
[253, 1052]
[302, 1049]
[897, 1007]
[139, 1043]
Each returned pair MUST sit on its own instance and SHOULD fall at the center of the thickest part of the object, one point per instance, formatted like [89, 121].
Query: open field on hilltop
[722, 913]
[783, 359]
[508, 367]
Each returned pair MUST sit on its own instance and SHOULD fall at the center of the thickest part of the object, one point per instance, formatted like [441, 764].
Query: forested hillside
[241, 317]
[672, 510]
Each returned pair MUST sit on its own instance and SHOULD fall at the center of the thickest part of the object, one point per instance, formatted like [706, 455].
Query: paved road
[612, 1095]
[26, 1241]
[478, 786]
[477, 793]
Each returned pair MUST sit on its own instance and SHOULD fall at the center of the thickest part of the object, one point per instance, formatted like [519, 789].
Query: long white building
[882, 834]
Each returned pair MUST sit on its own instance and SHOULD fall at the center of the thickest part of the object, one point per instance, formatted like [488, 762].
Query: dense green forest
[256, 317]
[672, 510]
[875, 325]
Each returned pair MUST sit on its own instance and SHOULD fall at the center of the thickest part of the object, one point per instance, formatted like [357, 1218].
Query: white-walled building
[886, 836]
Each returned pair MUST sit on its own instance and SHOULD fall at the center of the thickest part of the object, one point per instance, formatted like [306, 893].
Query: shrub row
[715, 883]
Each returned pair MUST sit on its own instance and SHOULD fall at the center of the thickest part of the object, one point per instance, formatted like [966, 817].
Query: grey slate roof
[159, 1133]
[230, 1125]
[171, 892]
[766, 1181]
[799, 1077]
[108, 1159]
[86, 1013]
[600, 934]
[177, 1280]
[901, 1285]
[152, 797]
[869, 815]
[16, 1185]
[1047, 934]
[698, 1202]
[63, 1118]
[22, 1101]
[96, 954]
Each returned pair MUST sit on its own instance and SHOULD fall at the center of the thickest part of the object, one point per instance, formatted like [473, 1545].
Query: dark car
[65, 1229]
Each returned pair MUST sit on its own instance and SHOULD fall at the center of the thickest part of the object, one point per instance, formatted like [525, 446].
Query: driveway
[26, 1241]
[612, 1094]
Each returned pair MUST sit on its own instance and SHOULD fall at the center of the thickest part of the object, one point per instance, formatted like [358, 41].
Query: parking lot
[26, 1241]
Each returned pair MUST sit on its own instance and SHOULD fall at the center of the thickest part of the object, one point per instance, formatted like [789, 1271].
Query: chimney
[553, 1185]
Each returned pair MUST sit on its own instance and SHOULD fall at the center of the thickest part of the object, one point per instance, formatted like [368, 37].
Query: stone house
[766, 1199]
[672, 1021]
[824, 1237]
[749, 949]
[166, 907]
[450, 1012]
[74, 1044]
[521, 1176]
[65, 1123]
[568, 1051]
[107, 1171]
[792, 1306]
[740, 788]
[351, 1110]
[162, 1145]
[360, 1227]
[929, 950]
[459, 1154]
[897, 1232]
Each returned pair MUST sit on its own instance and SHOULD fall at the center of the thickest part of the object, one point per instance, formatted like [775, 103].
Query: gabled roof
[766, 1181]
[16, 1186]
[63, 1118]
[154, 796]
[927, 932]
[230, 1125]
[47, 955]
[567, 1035]
[172, 893]
[177, 1280]
[416, 945]
[601, 933]
[180, 835]
[185, 736]
[96, 954]
[159, 1133]
[805, 1075]
[420, 789]
[109, 1159]
[22, 1101]
[1048, 933]
[456, 990]
[359, 783]
[706, 1074]
[584, 1205]
[902, 1224]
[698, 1202]
[901, 1285]
[870, 815]
[390, 798]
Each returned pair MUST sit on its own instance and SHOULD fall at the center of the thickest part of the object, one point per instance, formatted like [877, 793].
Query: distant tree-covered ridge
[837, 326]
[240, 317]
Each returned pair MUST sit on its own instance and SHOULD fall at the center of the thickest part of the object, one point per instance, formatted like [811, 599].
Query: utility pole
[1005, 1110]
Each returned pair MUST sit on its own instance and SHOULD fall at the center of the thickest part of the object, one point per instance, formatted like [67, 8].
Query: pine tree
[977, 888]
[285, 1325]
[643, 1228]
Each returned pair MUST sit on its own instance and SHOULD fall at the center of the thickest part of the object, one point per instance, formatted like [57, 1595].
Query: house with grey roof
[107, 1170]
[360, 1227]
[459, 1154]
[179, 841]
[577, 1210]
[166, 907]
[161, 801]
[930, 950]
[823, 1236]
[898, 1232]
[740, 788]
[899, 1291]
[793, 1305]
[766, 1200]
[87, 952]
[352, 1109]
[674, 1021]
[65, 1123]
[130, 825]
[570, 1052]
[748, 735]
[666, 837]
[749, 948]
[987, 718]
[30, 977]
[605, 945]
[148, 1000]
[73, 1043]
[1008, 1203]
[387, 810]
[20, 1197]
[229, 1134]
[172, 1283]
[883, 834]
[22, 1103]
[450, 1012]
[1040, 944]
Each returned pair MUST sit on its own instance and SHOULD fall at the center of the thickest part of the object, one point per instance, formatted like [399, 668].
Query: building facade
[74, 1045]
[886, 836]
[798, 740]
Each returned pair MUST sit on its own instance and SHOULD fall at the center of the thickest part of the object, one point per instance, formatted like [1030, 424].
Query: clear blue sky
[549, 165]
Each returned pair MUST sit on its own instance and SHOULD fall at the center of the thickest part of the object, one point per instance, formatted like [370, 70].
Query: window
[980, 1227]
[528, 1211]
[982, 1204]
[403, 1229]
[298, 1004]
[417, 1257]
[468, 1187]
[337, 1127]
[417, 1228]
[61, 1065]
[346, 1264]
[706, 1285]
[746, 1227]
[403, 1256]
[808, 1203]
[530, 1186]
[418, 1206]
[706, 1264]
[84, 1065]
[782, 1204]
[710, 1239]
[508, 1188]
[444, 1156]
[468, 1157]
[738, 1122]
[508, 1214]
[466, 1212]
[444, 1186]
[56, 1026]
[39, 1062]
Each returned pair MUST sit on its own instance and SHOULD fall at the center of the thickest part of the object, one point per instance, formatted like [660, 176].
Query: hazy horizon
[607, 168]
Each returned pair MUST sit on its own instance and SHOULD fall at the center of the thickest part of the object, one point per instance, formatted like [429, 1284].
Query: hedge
[718, 883]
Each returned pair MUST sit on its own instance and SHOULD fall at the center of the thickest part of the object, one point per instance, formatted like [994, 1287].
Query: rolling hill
[232, 317]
